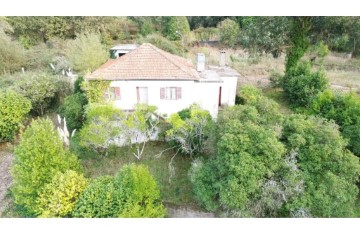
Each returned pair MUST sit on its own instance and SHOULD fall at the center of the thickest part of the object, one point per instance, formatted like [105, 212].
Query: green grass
[176, 192]
[277, 94]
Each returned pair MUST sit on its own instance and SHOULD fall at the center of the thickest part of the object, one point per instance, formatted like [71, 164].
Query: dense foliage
[39, 88]
[95, 90]
[98, 200]
[139, 195]
[38, 157]
[175, 27]
[58, 197]
[73, 108]
[229, 31]
[13, 109]
[344, 109]
[162, 43]
[86, 53]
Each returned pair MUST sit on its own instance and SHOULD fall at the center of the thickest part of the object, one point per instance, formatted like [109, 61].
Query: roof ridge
[159, 51]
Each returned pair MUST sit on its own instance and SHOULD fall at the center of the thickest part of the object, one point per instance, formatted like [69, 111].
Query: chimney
[200, 65]
[222, 61]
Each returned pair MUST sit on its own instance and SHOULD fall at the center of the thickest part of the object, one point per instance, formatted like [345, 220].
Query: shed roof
[146, 62]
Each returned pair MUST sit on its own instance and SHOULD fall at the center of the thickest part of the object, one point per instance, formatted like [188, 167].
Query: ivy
[95, 89]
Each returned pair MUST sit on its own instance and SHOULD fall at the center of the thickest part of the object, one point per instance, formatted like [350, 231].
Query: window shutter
[178, 92]
[117, 93]
[162, 93]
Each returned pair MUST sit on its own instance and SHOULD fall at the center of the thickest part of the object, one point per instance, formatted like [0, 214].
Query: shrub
[175, 27]
[58, 198]
[229, 31]
[38, 157]
[301, 85]
[86, 53]
[39, 88]
[12, 55]
[139, 195]
[73, 110]
[162, 43]
[98, 200]
[13, 108]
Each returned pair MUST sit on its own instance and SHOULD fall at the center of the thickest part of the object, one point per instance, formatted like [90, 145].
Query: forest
[290, 147]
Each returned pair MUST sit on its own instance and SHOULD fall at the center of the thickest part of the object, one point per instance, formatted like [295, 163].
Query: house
[152, 76]
[120, 50]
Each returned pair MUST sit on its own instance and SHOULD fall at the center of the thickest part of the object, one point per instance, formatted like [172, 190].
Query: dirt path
[5, 178]
[187, 213]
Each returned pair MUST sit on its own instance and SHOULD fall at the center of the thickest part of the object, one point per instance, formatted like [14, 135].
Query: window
[112, 93]
[170, 93]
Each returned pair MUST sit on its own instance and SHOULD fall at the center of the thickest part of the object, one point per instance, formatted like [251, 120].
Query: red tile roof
[147, 62]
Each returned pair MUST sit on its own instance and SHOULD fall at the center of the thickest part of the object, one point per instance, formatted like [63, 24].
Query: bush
[139, 195]
[13, 108]
[86, 53]
[175, 27]
[12, 55]
[38, 157]
[162, 43]
[345, 110]
[301, 85]
[98, 200]
[39, 88]
[229, 31]
[58, 198]
[73, 110]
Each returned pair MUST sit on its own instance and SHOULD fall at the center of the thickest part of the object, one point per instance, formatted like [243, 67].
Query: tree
[265, 34]
[13, 109]
[38, 157]
[101, 128]
[229, 31]
[86, 53]
[162, 43]
[98, 200]
[73, 110]
[141, 126]
[189, 135]
[301, 85]
[329, 171]
[58, 198]
[175, 27]
[39, 88]
[139, 195]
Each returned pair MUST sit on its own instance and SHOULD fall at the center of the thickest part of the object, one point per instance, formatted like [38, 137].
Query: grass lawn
[177, 192]
[277, 94]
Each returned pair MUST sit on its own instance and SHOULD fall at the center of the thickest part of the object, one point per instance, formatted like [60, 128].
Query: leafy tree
[229, 31]
[206, 21]
[13, 108]
[265, 34]
[189, 135]
[58, 198]
[95, 89]
[98, 200]
[101, 128]
[140, 126]
[73, 110]
[139, 195]
[86, 53]
[299, 41]
[301, 85]
[39, 88]
[329, 171]
[175, 27]
[38, 157]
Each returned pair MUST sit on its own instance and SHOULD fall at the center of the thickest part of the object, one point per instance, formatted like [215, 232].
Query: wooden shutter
[117, 93]
[178, 92]
[162, 93]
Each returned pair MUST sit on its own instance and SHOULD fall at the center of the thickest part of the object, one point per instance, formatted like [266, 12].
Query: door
[220, 96]
[142, 95]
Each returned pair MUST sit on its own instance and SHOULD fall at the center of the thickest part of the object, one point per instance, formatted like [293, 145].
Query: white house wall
[228, 91]
[205, 94]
